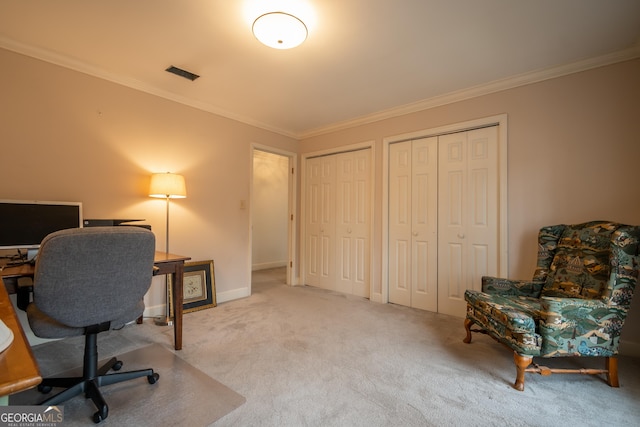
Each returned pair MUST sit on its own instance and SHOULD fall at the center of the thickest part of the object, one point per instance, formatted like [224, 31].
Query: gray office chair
[90, 280]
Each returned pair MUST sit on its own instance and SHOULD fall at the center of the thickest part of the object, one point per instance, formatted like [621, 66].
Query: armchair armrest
[498, 286]
[581, 327]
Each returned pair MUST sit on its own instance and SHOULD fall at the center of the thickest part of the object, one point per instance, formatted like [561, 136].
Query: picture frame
[199, 288]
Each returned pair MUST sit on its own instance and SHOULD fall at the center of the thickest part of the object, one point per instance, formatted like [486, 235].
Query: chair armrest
[498, 286]
[580, 326]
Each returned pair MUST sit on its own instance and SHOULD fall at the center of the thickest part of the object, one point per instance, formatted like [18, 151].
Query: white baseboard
[155, 310]
[376, 297]
[232, 295]
[160, 309]
[267, 265]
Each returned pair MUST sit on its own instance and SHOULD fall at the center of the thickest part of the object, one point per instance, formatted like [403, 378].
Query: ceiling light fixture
[279, 30]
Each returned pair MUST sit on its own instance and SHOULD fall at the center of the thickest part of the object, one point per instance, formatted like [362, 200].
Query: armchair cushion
[526, 288]
[510, 319]
[580, 267]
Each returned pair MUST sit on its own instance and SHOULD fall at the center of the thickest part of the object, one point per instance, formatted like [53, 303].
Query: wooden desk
[18, 368]
[173, 264]
[166, 263]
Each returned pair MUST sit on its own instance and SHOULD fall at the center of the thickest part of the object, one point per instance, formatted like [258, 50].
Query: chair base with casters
[93, 377]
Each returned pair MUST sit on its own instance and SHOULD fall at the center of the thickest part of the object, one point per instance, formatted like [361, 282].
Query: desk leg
[178, 297]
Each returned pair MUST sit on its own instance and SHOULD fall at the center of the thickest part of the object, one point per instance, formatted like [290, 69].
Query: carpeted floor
[304, 356]
[183, 395]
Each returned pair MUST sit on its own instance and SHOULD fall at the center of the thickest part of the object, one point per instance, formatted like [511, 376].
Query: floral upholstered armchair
[575, 305]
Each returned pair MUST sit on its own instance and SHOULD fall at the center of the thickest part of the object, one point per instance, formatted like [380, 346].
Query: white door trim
[499, 120]
[303, 235]
[291, 238]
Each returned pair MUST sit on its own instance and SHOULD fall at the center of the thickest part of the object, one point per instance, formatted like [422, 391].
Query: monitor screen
[23, 224]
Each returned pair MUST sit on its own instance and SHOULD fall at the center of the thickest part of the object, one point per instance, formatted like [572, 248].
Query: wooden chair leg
[612, 371]
[521, 364]
[467, 326]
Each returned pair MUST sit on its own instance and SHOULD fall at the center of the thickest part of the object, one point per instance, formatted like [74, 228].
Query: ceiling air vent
[182, 73]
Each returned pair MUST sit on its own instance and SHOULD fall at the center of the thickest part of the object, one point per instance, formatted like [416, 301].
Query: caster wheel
[44, 389]
[100, 415]
[153, 378]
[117, 366]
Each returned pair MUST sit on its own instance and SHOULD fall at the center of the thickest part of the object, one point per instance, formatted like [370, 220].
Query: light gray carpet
[308, 357]
[304, 356]
[182, 396]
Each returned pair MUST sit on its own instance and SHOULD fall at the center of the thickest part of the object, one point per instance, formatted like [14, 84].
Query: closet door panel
[400, 226]
[353, 221]
[424, 224]
[313, 210]
[452, 215]
[452, 285]
[345, 215]
[320, 223]
[468, 215]
[361, 230]
[482, 228]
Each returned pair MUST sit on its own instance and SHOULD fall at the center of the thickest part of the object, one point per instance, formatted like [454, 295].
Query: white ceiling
[363, 59]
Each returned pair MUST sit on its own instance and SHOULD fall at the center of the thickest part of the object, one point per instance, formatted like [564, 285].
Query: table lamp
[169, 186]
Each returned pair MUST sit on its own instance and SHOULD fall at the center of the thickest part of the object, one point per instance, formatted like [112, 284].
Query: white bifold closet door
[443, 218]
[320, 221]
[338, 222]
[413, 223]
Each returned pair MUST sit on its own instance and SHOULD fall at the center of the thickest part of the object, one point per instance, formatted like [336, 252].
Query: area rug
[183, 395]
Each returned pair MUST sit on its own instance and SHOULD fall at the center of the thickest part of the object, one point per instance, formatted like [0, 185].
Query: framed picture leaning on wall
[199, 290]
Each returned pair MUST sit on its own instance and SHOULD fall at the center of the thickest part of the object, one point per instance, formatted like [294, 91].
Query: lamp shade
[279, 30]
[167, 185]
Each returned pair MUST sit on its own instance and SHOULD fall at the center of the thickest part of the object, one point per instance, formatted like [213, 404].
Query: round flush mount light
[279, 30]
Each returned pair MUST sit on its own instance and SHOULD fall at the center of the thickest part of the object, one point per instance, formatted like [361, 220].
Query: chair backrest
[593, 260]
[87, 276]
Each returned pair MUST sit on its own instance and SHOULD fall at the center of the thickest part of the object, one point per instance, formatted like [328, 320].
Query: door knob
[460, 236]
[415, 233]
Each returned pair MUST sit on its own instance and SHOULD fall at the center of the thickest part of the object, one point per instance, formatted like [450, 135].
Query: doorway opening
[272, 212]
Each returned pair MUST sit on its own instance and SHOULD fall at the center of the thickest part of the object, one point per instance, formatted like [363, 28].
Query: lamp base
[163, 321]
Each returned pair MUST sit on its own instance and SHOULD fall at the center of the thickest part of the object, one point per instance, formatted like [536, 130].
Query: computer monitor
[23, 223]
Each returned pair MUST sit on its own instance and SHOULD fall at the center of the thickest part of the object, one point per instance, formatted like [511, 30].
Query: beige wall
[573, 151]
[69, 136]
[572, 156]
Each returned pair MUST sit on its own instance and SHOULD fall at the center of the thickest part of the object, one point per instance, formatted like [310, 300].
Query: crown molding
[480, 90]
[92, 70]
[425, 104]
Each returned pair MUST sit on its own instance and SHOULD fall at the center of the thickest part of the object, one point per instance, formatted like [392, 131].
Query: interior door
[413, 222]
[424, 224]
[400, 223]
[352, 222]
[467, 215]
[320, 221]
